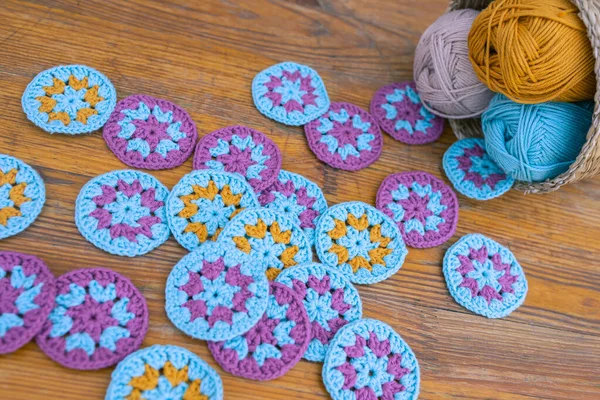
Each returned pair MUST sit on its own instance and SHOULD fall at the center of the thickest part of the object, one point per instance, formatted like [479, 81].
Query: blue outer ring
[316, 350]
[295, 118]
[312, 189]
[200, 328]
[35, 190]
[184, 186]
[250, 217]
[334, 380]
[389, 228]
[88, 225]
[156, 356]
[34, 89]
[478, 305]
[457, 176]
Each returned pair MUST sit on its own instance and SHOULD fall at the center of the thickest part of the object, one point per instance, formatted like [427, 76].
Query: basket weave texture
[587, 163]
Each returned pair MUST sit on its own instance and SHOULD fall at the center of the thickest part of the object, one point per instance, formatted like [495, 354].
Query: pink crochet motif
[274, 345]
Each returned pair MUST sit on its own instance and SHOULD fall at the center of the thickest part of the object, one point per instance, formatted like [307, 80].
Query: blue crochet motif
[290, 93]
[22, 195]
[367, 359]
[331, 302]
[268, 240]
[70, 99]
[212, 295]
[484, 276]
[203, 202]
[473, 172]
[297, 197]
[159, 357]
[360, 241]
[122, 212]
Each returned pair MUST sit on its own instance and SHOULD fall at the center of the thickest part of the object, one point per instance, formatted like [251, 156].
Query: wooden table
[203, 57]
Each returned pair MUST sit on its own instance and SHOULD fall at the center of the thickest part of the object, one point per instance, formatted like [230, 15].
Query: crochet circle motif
[241, 150]
[290, 93]
[345, 137]
[331, 302]
[360, 241]
[26, 298]
[484, 276]
[212, 295]
[268, 240]
[123, 212]
[274, 345]
[424, 208]
[70, 99]
[98, 318]
[367, 359]
[145, 132]
[22, 196]
[203, 202]
[400, 113]
[473, 172]
[297, 197]
[164, 372]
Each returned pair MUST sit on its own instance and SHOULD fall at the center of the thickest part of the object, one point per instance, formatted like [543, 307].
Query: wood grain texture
[203, 57]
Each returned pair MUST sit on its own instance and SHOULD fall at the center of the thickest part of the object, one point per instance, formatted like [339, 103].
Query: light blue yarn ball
[535, 142]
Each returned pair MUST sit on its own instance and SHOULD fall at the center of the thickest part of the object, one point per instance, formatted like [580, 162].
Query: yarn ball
[533, 51]
[443, 73]
[535, 142]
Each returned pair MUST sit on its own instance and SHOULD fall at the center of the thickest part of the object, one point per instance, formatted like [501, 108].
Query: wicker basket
[587, 163]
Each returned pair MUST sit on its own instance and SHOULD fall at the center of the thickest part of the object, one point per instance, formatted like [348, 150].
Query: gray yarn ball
[443, 73]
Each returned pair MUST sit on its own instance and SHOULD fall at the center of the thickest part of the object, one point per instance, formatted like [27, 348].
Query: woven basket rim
[587, 163]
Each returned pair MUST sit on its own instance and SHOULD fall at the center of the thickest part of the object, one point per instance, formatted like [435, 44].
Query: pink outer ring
[388, 125]
[75, 359]
[17, 337]
[154, 161]
[228, 359]
[352, 163]
[449, 198]
[273, 164]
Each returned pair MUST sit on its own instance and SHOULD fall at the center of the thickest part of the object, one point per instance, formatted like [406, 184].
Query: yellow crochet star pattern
[279, 237]
[210, 193]
[150, 381]
[16, 194]
[364, 239]
[73, 95]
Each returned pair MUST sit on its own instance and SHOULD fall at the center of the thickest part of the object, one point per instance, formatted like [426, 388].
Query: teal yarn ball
[535, 142]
